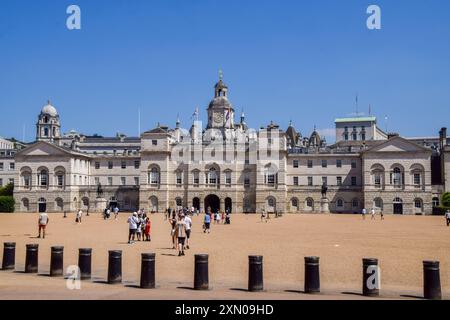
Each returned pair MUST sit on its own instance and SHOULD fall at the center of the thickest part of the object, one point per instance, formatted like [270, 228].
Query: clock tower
[220, 110]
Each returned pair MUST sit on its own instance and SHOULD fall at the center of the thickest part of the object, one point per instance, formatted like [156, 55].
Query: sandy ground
[400, 243]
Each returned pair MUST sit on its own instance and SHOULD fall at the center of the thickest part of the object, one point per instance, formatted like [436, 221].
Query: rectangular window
[27, 182]
[12, 166]
[137, 164]
[324, 163]
[353, 181]
[123, 164]
[60, 180]
[310, 163]
[295, 163]
[353, 164]
[110, 164]
[97, 165]
[179, 178]
[377, 180]
[110, 181]
[196, 178]
[136, 181]
[417, 179]
[228, 178]
[1, 166]
[246, 181]
[97, 181]
[346, 136]
[154, 142]
[295, 181]
[270, 179]
[339, 181]
[338, 163]
[123, 181]
[310, 181]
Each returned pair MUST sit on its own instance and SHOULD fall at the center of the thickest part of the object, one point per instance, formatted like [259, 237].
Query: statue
[324, 190]
[99, 190]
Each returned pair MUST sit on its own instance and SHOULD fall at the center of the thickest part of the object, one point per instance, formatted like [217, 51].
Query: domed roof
[50, 110]
[220, 102]
[293, 135]
[315, 139]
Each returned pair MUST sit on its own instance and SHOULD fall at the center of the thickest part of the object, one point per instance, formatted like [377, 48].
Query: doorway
[212, 203]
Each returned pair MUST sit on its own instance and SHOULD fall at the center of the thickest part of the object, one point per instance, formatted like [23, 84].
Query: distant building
[270, 168]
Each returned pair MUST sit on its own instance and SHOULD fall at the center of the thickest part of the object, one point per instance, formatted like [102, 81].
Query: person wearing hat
[133, 225]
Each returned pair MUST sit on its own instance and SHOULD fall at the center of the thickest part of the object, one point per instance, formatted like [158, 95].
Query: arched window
[294, 202]
[179, 202]
[43, 178]
[340, 203]
[212, 176]
[153, 176]
[309, 204]
[270, 175]
[418, 205]
[397, 177]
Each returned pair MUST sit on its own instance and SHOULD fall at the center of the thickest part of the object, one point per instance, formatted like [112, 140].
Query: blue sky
[303, 61]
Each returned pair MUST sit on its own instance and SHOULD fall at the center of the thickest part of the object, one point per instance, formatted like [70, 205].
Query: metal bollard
[115, 266]
[85, 263]
[255, 273]
[431, 280]
[201, 273]
[312, 275]
[9, 256]
[31, 258]
[371, 278]
[148, 271]
[56, 261]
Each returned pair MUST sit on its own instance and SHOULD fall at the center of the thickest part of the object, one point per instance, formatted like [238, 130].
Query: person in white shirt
[363, 212]
[372, 212]
[43, 222]
[188, 223]
[78, 217]
[132, 223]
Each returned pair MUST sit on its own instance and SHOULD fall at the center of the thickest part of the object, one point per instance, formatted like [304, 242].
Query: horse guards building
[227, 166]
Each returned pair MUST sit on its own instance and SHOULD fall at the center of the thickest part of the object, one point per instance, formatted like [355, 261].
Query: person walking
[363, 212]
[116, 213]
[263, 215]
[188, 224]
[42, 223]
[227, 218]
[173, 234]
[447, 217]
[381, 215]
[132, 223]
[78, 216]
[181, 234]
[207, 223]
[372, 213]
[139, 228]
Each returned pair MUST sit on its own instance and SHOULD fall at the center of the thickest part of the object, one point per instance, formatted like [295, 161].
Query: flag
[370, 109]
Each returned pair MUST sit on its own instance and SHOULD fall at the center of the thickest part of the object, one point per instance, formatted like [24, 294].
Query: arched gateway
[212, 202]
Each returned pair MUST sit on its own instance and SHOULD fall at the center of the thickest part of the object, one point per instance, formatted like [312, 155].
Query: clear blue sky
[299, 60]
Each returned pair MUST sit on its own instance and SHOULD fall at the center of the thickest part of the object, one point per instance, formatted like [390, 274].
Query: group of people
[139, 227]
[373, 214]
[107, 213]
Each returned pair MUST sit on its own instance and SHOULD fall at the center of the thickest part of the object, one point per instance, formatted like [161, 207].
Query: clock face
[218, 118]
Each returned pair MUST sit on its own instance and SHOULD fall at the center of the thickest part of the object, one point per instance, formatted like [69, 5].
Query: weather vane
[220, 74]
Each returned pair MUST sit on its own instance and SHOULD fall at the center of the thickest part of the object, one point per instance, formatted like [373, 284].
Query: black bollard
[9, 256]
[370, 278]
[56, 261]
[148, 271]
[431, 280]
[65, 214]
[115, 266]
[255, 273]
[31, 258]
[201, 273]
[85, 263]
[312, 275]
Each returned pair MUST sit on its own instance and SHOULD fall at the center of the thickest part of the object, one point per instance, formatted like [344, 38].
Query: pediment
[398, 144]
[43, 149]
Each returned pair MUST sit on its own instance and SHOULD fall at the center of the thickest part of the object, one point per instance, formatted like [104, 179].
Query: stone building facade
[228, 166]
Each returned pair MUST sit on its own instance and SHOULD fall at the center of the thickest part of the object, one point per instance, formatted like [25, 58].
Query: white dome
[50, 110]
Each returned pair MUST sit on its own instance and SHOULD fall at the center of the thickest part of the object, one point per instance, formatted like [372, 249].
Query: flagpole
[139, 122]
